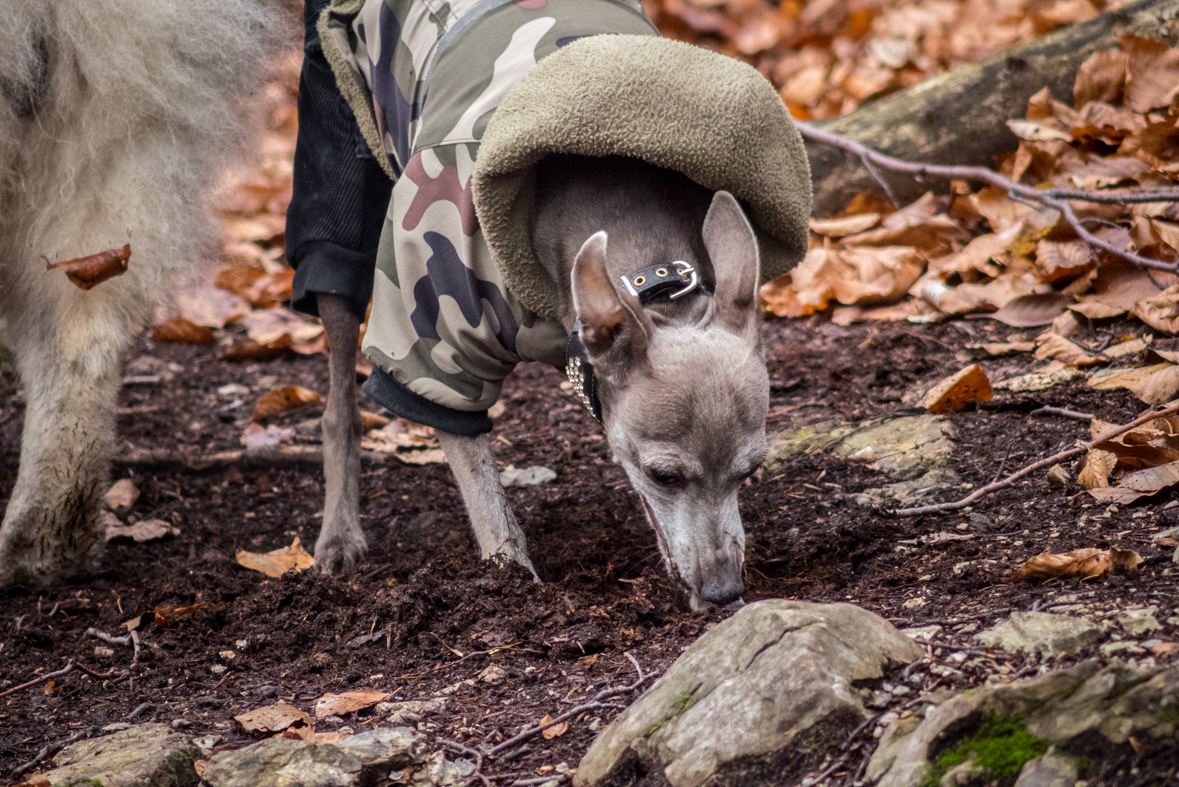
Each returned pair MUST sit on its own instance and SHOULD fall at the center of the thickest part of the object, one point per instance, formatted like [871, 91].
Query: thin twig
[66, 670]
[594, 704]
[48, 750]
[1063, 412]
[478, 755]
[938, 508]
[1052, 198]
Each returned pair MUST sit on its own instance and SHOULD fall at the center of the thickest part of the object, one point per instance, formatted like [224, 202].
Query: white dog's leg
[70, 378]
[496, 529]
[341, 542]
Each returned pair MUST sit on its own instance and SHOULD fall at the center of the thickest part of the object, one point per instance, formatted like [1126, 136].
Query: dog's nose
[723, 589]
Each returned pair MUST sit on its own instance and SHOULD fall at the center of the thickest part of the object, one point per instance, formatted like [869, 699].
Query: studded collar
[651, 284]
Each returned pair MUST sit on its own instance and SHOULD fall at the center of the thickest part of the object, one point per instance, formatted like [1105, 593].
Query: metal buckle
[681, 271]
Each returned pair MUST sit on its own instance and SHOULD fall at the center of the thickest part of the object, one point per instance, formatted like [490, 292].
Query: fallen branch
[467, 750]
[938, 508]
[48, 750]
[1051, 198]
[280, 456]
[594, 704]
[66, 670]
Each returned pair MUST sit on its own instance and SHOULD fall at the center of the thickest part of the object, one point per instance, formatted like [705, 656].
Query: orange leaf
[85, 272]
[178, 330]
[272, 718]
[275, 564]
[279, 400]
[347, 702]
[954, 392]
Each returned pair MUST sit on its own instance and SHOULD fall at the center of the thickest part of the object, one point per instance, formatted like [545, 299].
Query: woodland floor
[604, 592]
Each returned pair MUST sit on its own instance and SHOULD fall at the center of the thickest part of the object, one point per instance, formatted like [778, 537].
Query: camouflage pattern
[443, 324]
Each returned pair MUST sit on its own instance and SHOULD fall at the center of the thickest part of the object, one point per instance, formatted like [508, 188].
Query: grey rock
[146, 755]
[1114, 702]
[1041, 633]
[1048, 770]
[121, 497]
[526, 476]
[356, 760]
[280, 762]
[1139, 621]
[410, 711]
[908, 447]
[748, 688]
[150, 366]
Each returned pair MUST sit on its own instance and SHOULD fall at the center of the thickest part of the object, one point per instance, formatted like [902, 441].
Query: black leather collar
[650, 285]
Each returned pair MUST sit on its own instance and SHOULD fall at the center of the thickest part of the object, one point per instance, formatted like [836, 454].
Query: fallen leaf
[275, 564]
[1063, 260]
[255, 438]
[272, 718]
[347, 702]
[163, 615]
[953, 393]
[1124, 378]
[1097, 466]
[431, 456]
[1027, 311]
[133, 623]
[1095, 310]
[279, 400]
[556, 731]
[285, 328]
[1056, 347]
[1160, 311]
[1143, 483]
[1026, 129]
[1100, 78]
[52, 688]
[211, 306]
[1152, 73]
[1165, 648]
[250, 350]
[143, 530]
[85, 272]
[845, 225]
[373, 421]
[1160, 387]
[178, 330]
[1084, 563]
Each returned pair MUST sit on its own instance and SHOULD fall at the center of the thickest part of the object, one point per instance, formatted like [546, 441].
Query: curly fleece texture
[712, 118]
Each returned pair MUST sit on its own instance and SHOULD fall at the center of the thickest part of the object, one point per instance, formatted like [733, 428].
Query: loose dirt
[423, 616]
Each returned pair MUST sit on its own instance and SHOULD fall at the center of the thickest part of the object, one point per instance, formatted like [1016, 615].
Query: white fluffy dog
[115, 117]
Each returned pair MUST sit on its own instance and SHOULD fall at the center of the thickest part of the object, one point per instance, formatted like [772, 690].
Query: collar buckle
[667, 281]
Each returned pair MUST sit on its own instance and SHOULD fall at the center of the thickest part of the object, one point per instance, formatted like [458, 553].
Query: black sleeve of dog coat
[340, 194]
[384, 389]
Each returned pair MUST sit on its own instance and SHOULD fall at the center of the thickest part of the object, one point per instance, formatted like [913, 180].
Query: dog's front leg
[496, 529]
[341, 542]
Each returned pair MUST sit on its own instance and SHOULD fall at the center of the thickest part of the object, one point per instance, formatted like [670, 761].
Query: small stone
[117, 726]
[1040, 633]
[526, 476]
[232, 391]
[923, 634]
[493, 674]
[913, 603]
[178, 724]
[278, 762]
[1127, 648]
[865, 454]
[1058, 477]
[217, 669]
[206, 743]
[1139, 621]
[227, 655]
[121, 497]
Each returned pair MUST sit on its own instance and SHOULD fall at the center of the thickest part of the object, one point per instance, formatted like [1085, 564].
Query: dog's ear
[732, 247]
[610, 318]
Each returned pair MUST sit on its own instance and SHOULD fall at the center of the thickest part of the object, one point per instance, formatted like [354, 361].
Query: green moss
[655, 727]
[1000, 747]
[683, 704]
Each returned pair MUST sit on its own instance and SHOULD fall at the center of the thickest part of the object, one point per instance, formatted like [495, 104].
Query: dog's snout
[723, 588]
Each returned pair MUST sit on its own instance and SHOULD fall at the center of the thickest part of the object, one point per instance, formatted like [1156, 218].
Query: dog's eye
[666, 478]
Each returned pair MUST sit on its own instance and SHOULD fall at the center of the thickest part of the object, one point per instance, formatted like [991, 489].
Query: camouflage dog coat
[444, 330]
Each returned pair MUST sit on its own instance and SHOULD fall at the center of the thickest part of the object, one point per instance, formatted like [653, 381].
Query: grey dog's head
[684, 404]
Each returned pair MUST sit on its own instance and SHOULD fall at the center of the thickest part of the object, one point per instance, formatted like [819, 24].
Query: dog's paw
[338, 555]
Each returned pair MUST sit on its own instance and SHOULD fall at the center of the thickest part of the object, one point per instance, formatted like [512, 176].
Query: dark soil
[437, 610]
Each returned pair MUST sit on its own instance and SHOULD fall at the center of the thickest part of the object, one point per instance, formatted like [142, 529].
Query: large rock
[748, 689]
[146, 755]
[1012, 726]
[1041, 634]
[281, 762]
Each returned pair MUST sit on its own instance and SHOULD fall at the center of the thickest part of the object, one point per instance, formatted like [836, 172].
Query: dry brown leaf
[996, 349]
[85, 272]
[1128, 346]
[1124, 378]
[1160, 311]
[286, 328]
[279, 400]
[373, 421]
[1152, 73]
[272, 718]
[974, 261]
[1165, 648]
[275, 564]
[1121, 285]
[1058, 348]
[211, 306]
[431, 456]
[250, 350]
[556, 731]
[1097, 467]
[1083, 563]
[954, 392]
[164, 615]
[1063, 260]
[1142, 483]
[1035, 132]
[1159, 387]
[143, 530]
[1095, 310]
[347, 702]
[181, 331]
[1100, 78]
[1037, 308]
[845, 225]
